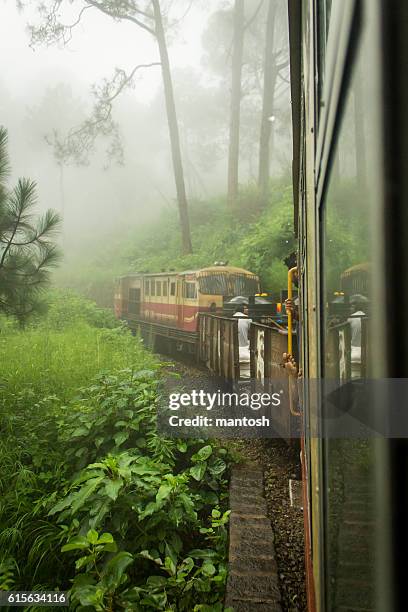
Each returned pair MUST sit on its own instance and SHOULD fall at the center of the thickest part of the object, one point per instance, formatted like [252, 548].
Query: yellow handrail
[291, 272]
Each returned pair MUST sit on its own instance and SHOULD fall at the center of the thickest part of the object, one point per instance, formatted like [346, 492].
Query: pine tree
[27, 252]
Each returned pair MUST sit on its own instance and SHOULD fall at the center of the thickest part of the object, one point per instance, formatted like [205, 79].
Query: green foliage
[100, 503]
[254, 237]
[68, 308]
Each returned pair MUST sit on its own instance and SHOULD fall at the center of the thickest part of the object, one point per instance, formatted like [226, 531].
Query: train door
[134, 298]
[180, 302]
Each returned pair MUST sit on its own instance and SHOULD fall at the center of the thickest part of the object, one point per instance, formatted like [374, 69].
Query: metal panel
[218, 346]
[267, 345]
[338, 352]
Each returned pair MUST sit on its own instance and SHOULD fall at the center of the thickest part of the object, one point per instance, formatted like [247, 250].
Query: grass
[49, 362]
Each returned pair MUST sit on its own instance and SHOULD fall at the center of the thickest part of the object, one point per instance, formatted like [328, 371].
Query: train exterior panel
[349, 97]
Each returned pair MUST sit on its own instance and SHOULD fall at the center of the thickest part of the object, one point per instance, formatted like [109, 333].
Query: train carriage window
[172, 288]
[190, 291]
[229, 284]
[147, 287]
[165, 283]
[158, 288]
[152, 288]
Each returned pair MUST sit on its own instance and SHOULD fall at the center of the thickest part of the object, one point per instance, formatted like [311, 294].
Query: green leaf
[115, 568]
[198, 471]
[163, 492]
[146, 555]
[186, 566]
[204, 453]
[203, 553]
[79, 432]
[76, 543]
[64, 503]
[92, 596]
[121, 437]
[217, 467]
[84, 493]
[82, 561]
[208, 569]
[105, 538]
[170, 566]
[92, 536]
[112, 487]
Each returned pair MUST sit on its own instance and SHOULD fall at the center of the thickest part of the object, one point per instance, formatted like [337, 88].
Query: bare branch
[80, 141]
[254, 16]
[280, 75]
[281, 66]
[175, 23]
[51, 30]
[119, 15]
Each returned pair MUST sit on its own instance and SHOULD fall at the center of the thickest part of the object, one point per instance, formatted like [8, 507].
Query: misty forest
[136, 136]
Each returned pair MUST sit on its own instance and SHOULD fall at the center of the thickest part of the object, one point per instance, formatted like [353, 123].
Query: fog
[44, 89]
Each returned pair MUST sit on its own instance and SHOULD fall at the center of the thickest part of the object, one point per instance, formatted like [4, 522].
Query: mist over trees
[100, 149]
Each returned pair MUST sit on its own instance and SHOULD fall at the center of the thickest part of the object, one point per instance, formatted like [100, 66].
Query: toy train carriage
[356, 280]
[175, 298]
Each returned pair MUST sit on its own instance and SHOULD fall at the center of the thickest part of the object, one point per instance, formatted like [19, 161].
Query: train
[166, 306]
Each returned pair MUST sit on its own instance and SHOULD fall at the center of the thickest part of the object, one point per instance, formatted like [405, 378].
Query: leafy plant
[101, 504]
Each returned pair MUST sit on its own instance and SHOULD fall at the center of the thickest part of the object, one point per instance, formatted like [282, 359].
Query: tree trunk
[270, 75]
[237, 53]
[173, 130]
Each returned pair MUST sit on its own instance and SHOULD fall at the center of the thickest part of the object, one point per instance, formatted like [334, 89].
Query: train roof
[199, 272]
[231, 269]
[361, 267]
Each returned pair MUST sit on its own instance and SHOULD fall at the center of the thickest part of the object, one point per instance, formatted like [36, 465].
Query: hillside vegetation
[255, 237]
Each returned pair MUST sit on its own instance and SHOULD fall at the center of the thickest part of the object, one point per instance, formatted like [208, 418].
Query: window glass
[173, 288]
[230, 285]
[165, 287]
[146, 287]
[323, 18]
[190, 291]
[348, 239]
[158, 288]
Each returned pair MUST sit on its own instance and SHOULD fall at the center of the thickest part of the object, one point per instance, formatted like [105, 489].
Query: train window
[165, 283]
[158, 288]
[173, 288]
[229, 284]
[348, 235]
[146, 287]
[152, 287]
[190, 291]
